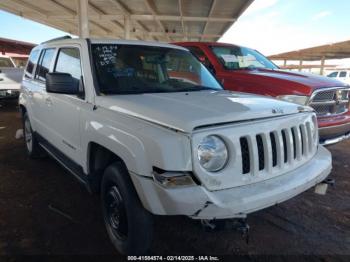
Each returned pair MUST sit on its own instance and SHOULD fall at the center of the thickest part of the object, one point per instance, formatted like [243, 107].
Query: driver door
[64, 110]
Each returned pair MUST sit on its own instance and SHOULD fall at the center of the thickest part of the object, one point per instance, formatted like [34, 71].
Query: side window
[33, 59]
[342, 74]
[68, 61]
[334, 74]
[197, 52]
[44, 64]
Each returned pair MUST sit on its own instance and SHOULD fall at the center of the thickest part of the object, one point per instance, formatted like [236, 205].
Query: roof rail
[57, 38]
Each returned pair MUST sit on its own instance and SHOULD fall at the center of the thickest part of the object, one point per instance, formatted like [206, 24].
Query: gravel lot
[309, 224]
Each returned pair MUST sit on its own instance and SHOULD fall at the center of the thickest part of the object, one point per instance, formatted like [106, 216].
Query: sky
[270, 26]
[18, 28]
[275, 26]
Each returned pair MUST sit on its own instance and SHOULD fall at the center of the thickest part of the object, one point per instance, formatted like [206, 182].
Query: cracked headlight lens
[212, 153]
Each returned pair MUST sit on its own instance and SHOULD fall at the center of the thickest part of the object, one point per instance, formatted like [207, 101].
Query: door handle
[48, 101]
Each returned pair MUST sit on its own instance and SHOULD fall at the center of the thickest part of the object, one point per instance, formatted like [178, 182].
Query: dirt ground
[309, 224]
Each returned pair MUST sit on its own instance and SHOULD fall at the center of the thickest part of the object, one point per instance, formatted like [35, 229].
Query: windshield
[6, 62]
[133, 69]
[237, 58]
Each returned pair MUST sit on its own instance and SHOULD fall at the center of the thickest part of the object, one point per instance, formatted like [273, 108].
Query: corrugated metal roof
[161, 20]
[330, 51]
[14, 46]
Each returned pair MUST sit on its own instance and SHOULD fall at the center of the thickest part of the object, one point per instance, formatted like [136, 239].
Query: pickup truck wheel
[129, 225]
[33, 148]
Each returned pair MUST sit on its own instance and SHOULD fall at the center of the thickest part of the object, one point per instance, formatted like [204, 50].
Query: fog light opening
[172, 179]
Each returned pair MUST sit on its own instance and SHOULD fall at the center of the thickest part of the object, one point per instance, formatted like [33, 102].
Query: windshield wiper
[136, 90]
[195, 88]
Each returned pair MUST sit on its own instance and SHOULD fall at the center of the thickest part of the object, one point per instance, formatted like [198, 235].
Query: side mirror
[202, 58]
[61, 83]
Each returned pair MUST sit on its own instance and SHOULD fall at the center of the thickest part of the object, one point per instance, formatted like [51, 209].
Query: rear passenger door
[63, 115]
[38, 93]
[28, 85]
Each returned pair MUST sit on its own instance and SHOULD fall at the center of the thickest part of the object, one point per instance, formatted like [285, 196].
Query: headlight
[212, 153]
[301, 100]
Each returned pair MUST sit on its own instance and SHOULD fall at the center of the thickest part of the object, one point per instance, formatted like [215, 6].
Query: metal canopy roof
[330, 51]
[161, 20]
[14, 46]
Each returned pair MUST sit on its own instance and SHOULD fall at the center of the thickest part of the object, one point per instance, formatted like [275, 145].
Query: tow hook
[237, 224]
[322, 187]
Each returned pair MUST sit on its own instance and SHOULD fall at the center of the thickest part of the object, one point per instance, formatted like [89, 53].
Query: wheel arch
[22, 109]
[99, 158]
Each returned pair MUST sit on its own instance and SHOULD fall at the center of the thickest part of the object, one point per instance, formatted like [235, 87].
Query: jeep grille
[277, 148]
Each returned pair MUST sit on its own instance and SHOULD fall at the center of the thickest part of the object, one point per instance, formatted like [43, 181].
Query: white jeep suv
[150, 129]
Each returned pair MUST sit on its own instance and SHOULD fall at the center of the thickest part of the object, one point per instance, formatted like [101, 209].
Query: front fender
[140, 144]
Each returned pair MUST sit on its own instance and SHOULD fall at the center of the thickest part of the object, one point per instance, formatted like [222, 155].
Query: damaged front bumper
[199, 203]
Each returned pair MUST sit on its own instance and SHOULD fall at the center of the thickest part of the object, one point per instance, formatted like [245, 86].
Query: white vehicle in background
[342, 75]
[10, 78]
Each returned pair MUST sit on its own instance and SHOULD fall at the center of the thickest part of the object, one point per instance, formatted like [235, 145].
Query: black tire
[129, 225]
[33, 148]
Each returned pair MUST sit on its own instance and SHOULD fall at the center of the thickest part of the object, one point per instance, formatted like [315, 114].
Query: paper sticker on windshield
[250, 58]
[229, 58]
[106, 54]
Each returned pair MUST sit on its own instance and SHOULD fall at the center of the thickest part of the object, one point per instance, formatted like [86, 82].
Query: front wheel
[33, 148]
[129, 225]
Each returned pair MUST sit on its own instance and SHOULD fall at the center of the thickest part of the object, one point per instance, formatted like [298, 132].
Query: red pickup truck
[246, 70]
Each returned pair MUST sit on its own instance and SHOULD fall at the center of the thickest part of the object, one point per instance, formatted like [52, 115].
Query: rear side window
[342, 74]
[334, 74]
[44, 64]
[68, 61]
[33, 59]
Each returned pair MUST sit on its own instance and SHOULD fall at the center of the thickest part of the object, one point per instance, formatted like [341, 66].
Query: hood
[295, 79]
[187, 111]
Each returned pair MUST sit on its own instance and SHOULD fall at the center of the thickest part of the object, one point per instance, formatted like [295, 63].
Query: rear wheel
[33, 148]
[129, 225]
